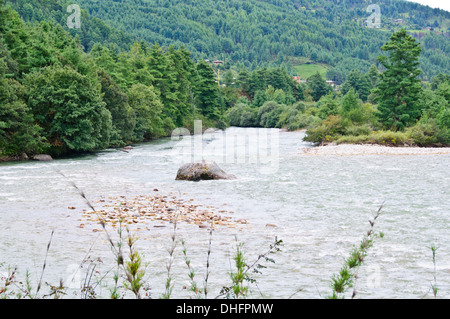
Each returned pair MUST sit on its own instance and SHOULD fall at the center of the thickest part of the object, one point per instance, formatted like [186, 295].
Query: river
[319, 206]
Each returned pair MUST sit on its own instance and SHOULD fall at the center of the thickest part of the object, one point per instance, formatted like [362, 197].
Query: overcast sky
[441, 4]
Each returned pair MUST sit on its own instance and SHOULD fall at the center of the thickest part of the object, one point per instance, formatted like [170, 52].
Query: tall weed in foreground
[346, 277]
[434, 287]
[194, 287]
[242, 273]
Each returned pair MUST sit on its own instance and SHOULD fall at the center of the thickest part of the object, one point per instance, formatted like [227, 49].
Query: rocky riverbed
[358, 149]
[157, 210]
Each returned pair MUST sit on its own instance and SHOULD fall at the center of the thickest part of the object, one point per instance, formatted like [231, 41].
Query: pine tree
[208, 91]
[374, 75]
[165, 82]
[359, 82]
[184, 74]
[399, 89]
[318, 86]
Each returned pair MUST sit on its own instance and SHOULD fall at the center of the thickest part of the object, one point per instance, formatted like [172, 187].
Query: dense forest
[389, 107]
[57, 99]
[269, 33]
[108, 84]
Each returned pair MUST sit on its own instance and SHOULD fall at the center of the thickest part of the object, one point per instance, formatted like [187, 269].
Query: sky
[441, 4]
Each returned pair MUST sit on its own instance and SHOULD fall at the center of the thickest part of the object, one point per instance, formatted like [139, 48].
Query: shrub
[424, 133]
[287, 117]
[268, 114]
[234, 114]
[443, 118]
[352, 139]
[357, 130]
[248, 118]
[328, 130]
[390, 138]
[303, 121]
[327, 106]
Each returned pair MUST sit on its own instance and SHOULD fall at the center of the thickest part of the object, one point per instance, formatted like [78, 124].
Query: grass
[306, 70]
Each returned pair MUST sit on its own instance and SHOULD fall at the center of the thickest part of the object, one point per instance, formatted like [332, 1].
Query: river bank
[370, 149]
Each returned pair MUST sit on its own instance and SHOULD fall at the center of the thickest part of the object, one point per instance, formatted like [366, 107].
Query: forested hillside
[93, 30]
[56, 98]
[287, 33]
[66, 91]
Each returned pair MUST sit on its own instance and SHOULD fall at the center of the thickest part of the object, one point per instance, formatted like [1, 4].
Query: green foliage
[318, 86]
[147, 107]
[328, 130]
[354, 110]
[358, 82]
[276, 33]
[208, 91]
[118, 94]
[78, 102]
[399, 88]
[242, 115]
[327, 105]
[267, 84]
[431, 132]
[269, 113]
[439, 79]
[373, 75]
[387, 138]
[93, 30]
[432, 103]
[18, 133]
[348, 274]
[123, 115]
[240, 275]
[409, 114]
[443, 118]
[68, 107]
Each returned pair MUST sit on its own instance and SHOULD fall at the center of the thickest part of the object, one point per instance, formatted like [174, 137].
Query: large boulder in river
[43, 158]
[204, 170]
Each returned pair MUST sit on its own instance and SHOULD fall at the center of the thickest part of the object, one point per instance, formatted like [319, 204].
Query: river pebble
[158, 210]
[358, 149]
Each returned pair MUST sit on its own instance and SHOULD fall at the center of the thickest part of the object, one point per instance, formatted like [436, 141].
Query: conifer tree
[359, 82]
[318, 86]
[208, 91]
[165, 82]
[399, 89]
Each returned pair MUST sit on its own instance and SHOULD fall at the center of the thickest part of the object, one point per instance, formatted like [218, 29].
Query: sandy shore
[358, 149]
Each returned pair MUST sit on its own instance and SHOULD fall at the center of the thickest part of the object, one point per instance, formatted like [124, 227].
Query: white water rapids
[319, 205]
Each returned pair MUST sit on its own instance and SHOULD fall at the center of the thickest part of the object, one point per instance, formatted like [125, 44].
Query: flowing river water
[319, 206]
